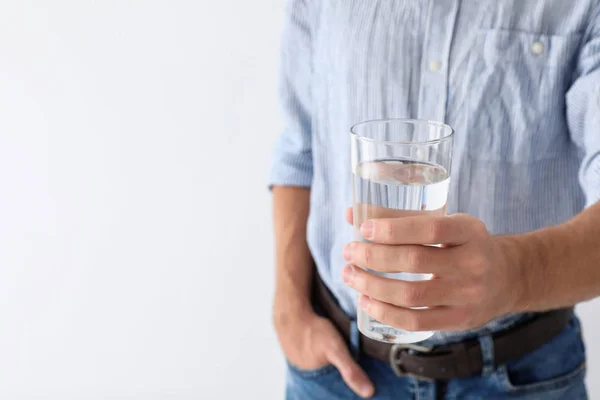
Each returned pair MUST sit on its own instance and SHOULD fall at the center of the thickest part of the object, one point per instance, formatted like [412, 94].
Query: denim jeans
[554, 371]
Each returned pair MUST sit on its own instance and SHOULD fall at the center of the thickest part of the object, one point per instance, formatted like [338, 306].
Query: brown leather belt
[450, 361]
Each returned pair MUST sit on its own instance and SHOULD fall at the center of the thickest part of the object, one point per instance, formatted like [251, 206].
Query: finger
[405, 258]
[361, 212]
[349, 216]
[424, 229]
[339, 356]
[429, 293]
[431, 319]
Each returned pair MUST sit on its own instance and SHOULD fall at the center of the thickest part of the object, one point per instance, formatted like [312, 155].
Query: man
[519, 81]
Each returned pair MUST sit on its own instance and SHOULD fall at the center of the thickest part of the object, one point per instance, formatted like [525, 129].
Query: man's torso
[497, 72]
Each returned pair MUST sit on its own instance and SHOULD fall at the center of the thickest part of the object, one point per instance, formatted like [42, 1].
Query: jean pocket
[546, 387]
[312, 373]
[557, 366]
[323, 383]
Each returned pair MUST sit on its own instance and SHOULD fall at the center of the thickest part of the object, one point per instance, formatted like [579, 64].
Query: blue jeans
[555, 371]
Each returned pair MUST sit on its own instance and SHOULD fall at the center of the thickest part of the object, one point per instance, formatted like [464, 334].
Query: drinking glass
[400, 167]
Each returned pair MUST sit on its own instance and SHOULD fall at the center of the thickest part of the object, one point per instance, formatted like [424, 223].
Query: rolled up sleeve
[292, 161]
[583, 110]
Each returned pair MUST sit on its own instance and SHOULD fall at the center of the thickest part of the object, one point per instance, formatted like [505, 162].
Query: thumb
[339, 356]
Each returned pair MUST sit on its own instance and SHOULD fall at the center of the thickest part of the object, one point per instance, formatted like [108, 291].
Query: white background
[135, 225]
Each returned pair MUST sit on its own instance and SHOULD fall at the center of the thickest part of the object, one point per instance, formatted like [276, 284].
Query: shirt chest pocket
[516, 98]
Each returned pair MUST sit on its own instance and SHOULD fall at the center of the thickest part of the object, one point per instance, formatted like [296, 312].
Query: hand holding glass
[400, 167]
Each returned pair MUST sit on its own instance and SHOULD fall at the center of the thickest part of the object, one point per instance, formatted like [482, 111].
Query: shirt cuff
[292, 170]
[590, 180]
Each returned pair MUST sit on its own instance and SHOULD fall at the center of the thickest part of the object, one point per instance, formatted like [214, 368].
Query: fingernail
[364, 302]
[366, 390]
[348, 251]
[348, 273]
[367, 229]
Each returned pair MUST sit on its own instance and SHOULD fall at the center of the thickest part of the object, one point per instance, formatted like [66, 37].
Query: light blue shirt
[518, 80]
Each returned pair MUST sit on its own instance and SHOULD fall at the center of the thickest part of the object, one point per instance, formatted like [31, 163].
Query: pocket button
[435, 66]
[537, 48]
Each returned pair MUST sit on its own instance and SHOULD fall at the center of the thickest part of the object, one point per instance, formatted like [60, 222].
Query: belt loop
[354, 339]
[487, 354]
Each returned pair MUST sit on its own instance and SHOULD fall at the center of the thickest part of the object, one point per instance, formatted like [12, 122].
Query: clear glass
[400, 167]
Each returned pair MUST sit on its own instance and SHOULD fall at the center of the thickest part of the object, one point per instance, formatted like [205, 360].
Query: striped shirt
[518, 80]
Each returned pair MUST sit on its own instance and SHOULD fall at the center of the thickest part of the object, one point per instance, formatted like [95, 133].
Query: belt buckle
[396, 354]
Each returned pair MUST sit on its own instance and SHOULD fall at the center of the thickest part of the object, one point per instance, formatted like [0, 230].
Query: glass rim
[412, 121]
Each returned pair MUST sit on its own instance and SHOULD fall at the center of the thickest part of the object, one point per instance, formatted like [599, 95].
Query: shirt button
[435, 66]
[537, 48]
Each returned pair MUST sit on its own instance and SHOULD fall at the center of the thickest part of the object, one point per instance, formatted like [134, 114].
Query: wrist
[516, 252]
[526, 255]
[289, 308]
